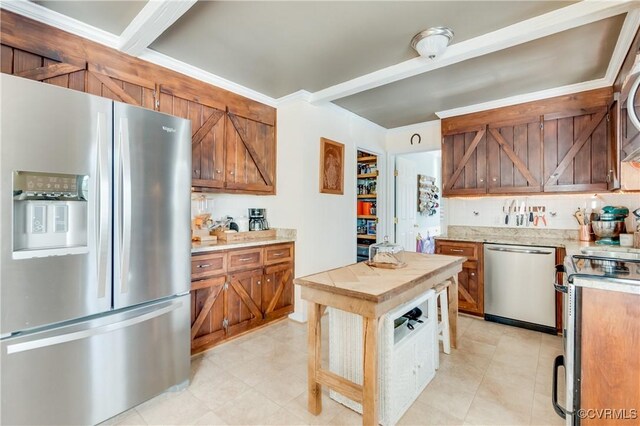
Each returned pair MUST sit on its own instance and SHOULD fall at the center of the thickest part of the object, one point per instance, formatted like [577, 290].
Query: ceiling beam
[154, 18]
[575, 15]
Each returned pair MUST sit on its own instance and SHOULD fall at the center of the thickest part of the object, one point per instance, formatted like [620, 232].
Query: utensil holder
[584, 233]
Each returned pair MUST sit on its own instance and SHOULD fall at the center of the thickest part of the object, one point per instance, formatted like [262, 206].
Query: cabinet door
[424, 357]
[250, 150]
[464, 163]
[243, 308]
[207, 312]
[139, 92]
[470, 289]
[207, 137]
[575, 152]
[277, 291]
[514, 157]
[403, 375]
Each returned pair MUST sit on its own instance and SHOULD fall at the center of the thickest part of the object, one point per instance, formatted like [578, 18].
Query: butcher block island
[375, 295]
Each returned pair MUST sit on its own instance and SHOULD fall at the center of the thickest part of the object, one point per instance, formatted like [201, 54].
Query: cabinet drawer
[277, 254]
[204, 265]
[467, 250]
[245, 259]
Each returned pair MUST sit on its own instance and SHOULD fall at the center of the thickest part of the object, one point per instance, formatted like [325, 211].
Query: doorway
[418, 199]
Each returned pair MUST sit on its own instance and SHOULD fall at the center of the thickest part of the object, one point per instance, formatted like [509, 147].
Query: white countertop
[221, 245]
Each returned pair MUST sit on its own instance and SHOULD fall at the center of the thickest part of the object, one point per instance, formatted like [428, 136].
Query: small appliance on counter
[258, 219]
[610, 225]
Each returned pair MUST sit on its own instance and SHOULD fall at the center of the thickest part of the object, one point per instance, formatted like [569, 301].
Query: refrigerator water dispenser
[49, 214]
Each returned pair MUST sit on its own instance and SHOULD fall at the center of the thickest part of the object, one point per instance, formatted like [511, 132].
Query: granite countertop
[573, 246]
[282, 236]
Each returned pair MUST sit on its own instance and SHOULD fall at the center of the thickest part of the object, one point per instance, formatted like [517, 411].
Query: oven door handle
[557, 363]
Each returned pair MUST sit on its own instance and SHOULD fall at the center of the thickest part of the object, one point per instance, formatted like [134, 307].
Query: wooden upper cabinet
[207, 136]
[514, 157]
[576, 151]
[464, 162]
[250, 150]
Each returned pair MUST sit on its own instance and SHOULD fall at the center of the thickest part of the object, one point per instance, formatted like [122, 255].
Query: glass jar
[386, 253]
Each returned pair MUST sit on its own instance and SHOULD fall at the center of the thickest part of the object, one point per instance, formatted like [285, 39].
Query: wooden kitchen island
[370, 293]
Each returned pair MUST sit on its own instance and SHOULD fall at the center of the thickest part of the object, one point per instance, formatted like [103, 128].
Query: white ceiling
[356, 53]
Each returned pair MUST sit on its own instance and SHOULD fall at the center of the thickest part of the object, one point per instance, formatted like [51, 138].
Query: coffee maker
[258, 220]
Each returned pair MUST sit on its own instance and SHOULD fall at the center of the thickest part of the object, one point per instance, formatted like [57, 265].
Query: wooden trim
[465, 158]
[314, 363]
[246, 299]
[206, 308]
[370, 387]
[514, 158]
[341, 385]
[105, 69]
[578, 143]
[49, 71]
[200, 134]
[117, 90]
[575, 102]
[254, 155]
[513, 189]
[579, 187]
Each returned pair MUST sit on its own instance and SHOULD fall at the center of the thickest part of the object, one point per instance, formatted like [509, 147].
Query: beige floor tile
[420, 414]
[330, 409]
[250, 409]
[229, 354]
[283, 417]
[551, 340]
[511, 374]
[543, 413]
[210, 418]
[446, 396]
[489, 411]
[485, 332]
[347, 418]
[254, 371]
[466, 344]
[512, 396]
[282, 389]
[172, 408]
[518, 351]
[130, 417]
[215, 393]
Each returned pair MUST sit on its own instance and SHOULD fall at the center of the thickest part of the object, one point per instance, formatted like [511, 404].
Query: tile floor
[498, 375]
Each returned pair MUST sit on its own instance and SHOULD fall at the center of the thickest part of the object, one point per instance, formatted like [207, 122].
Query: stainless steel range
[593, 269]
[95, 254]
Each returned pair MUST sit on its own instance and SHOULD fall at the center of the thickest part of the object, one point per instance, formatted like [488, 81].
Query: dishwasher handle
[514, 250]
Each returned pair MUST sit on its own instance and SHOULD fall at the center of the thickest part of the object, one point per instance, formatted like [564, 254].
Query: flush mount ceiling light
[432, 42]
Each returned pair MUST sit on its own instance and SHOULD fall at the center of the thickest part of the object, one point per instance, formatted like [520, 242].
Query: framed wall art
[331, 167]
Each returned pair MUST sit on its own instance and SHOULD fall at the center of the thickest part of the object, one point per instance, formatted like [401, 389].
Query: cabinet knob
[472, 274]
[196, 171]
[231, 172]
[495, 179]
[259, 282]
[218, 171]
[481, 180]
[268, 280]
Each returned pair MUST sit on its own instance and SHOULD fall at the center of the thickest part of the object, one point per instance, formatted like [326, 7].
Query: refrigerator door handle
[102, 196]
[125, 204]
[90, 332]
[561, 411]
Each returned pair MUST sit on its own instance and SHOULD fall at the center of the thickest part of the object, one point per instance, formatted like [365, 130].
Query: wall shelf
[368, 159]
[367, 237]
[367, 195]
[371, 175]
[367, 216]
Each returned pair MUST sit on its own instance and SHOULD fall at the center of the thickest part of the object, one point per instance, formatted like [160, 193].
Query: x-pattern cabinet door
[514, 156]
[207, 136]
[207, 311]
[243, 307]
[464, 162]
[575, 151]
[250, 150]
[277, 290]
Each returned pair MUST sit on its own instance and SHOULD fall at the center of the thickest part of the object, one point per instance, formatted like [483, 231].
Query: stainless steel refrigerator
[94, 257]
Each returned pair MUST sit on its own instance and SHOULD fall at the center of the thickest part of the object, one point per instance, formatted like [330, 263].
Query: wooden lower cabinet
[231, 302]
[471, 278]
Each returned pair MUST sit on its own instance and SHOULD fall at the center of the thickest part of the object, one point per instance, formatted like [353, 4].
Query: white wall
[326, 224]
[489, 209]
[427, 163]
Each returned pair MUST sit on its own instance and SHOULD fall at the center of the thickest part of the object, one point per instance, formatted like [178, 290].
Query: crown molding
[300, 95]
[154, 18]
[414, 127]
[527, 97]
[47, 16]
[566, 18]
[202, 75]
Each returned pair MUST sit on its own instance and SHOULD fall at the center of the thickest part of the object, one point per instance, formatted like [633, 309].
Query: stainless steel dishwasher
[518, 286]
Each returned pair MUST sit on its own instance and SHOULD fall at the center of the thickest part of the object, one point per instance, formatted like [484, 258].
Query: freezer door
[152, 205]
[87, 372]
[54, 130]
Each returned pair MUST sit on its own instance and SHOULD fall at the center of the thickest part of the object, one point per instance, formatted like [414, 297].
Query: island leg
[314, 349]
[453, 311]
[370, 373]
